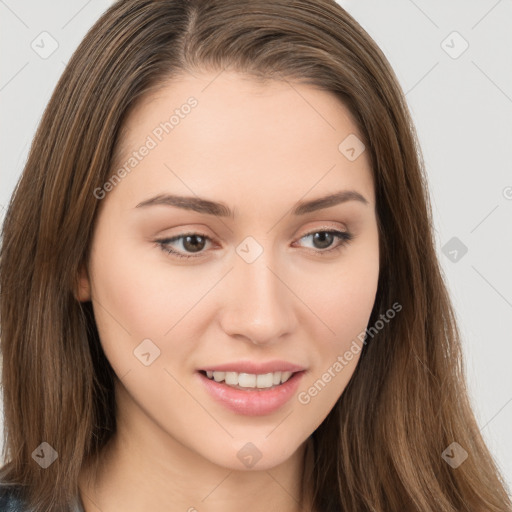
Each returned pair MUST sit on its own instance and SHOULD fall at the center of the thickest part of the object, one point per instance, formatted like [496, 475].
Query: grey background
[461, 103]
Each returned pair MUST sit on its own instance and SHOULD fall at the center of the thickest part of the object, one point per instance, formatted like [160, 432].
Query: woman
[219, 280]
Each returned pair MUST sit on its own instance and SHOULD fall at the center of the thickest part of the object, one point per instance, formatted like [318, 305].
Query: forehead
[211, 131]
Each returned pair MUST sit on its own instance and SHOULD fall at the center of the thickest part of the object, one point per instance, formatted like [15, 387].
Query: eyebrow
[209, 207]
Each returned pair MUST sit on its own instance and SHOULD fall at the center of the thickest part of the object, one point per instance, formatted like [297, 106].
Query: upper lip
[255, 368]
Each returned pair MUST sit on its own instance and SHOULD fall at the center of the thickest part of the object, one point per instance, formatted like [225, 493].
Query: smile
[250, 380]
[251, 394]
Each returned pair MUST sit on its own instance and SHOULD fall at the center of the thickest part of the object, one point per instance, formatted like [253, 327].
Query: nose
[257, 303]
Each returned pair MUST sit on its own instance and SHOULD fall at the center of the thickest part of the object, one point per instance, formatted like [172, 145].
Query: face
[215, 270]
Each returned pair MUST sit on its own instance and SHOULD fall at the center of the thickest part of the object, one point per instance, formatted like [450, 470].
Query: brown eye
[191, 243]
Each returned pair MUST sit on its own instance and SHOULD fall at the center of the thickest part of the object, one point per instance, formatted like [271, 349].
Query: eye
[324, 239]
[193, 242]
[196, 242]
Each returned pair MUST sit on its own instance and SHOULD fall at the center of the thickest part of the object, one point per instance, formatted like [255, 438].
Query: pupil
[323, 237]
[193, 246]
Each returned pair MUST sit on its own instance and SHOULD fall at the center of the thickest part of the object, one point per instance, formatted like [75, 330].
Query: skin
[259, 148]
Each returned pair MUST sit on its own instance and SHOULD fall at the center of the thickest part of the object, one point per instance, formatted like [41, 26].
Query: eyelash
[344, 236]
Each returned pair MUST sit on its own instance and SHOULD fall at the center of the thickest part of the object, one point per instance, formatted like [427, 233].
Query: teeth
[218, 376]
[285, 376]
[262, 381]
[250, 380]
[231, 378]
[245, 380]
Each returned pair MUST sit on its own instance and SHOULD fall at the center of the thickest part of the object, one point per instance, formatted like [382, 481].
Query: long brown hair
[380, 448]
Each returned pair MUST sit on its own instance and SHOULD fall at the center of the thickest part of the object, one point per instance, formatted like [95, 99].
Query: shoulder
[11, 498]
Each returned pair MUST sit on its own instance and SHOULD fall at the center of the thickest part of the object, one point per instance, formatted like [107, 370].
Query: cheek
[343, 295]
[123, 293]
[345, 308]
[124, 300]
[344, 304]
[136, 297]
[130, 289]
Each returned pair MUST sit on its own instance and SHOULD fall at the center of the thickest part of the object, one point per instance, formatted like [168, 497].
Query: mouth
[249, 381]
[251, 394]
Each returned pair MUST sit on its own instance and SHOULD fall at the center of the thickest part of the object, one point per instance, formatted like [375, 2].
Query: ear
[83, 291]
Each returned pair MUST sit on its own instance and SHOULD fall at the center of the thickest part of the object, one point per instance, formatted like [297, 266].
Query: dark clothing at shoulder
[10, 499]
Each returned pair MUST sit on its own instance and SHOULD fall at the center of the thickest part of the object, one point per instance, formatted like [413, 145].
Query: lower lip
[254, 402]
